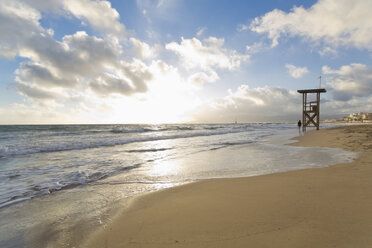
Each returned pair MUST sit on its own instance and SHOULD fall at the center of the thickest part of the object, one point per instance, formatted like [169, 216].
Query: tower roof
[312, 91]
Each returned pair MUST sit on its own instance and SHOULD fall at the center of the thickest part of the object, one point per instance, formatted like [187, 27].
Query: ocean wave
[65, 182]
[56, 172]
[154, 129]
[183, 128]
[242, 142]
[149, 150]
[11, 202]
[97, 142]
[140, 130]
[107, 136]
[227, 144]
[213, 127]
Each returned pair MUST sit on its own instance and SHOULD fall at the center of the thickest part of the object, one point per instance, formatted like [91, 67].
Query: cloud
[58, 69]
[333, 22]
[165, 10]
[99, 14]
[154, 4]
[18, 22]
[137, 73]
[349, 81]
[32, 113]
[296, 72]
[143, 50]
[207, 54]
[83, 54]
[268, 104]
[242, 27]
[206, 57]
[251, 105]
[36, 73]
[89, 76]
[35, 92]
[256, 48]
[107, 84]
[200, 78]
[201, 31]
[327, 51]
[339, 108]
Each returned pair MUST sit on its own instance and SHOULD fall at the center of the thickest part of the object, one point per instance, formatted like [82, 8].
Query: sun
[169, 99]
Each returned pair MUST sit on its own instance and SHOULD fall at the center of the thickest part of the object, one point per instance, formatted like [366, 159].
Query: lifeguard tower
[310, 107]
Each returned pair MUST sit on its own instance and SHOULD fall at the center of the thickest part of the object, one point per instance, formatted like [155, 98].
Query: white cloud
[242, 27]
[277, 104]
[250, 105]
[159, 9]
[57, 69]
[327, 51]
[200, 78]
[296, 72]
[203, 58]
[74, 61]
[36, 92]
[127, 79]
[32, 113]
[201, 31]
[207, 54]
[18, 23]
[99, 14]
[255, 48]
[340, 108]
[334, 22]
[107, 84]
[86, 75]
[154, 4]
[34, 73]
[143, 50]
[349, 81]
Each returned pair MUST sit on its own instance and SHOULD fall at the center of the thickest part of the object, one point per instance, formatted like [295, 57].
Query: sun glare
[168, 100]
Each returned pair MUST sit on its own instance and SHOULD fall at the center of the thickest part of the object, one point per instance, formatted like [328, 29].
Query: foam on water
[38, 160]
[28, 142]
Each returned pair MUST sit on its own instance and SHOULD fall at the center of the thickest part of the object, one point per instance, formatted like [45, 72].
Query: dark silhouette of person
[299, 124]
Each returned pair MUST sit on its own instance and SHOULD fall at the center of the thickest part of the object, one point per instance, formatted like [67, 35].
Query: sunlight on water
[164, 168]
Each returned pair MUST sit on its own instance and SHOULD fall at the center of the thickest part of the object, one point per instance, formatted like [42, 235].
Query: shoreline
[80, 211]
[318, 207]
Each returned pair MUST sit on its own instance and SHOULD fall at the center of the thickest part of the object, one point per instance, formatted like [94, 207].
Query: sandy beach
[322, 207]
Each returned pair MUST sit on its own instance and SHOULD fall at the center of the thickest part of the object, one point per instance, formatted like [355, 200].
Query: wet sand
[323, 207]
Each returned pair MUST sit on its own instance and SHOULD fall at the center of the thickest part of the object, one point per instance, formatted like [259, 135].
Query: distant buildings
[358, 117]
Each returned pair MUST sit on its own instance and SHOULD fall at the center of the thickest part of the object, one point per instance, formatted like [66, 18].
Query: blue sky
[83, 61]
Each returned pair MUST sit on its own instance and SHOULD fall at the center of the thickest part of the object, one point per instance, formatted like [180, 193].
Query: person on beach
[299, 124]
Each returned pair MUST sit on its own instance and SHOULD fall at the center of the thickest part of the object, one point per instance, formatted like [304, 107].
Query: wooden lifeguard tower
[310, 108]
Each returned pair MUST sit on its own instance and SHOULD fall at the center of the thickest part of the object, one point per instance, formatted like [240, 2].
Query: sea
[56, 178]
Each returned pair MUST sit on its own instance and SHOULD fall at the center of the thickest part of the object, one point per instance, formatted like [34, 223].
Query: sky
[172, 61]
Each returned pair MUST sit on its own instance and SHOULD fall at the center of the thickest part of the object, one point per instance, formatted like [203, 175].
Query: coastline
[318, 207]
[68, 217]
